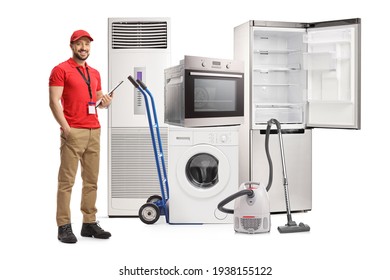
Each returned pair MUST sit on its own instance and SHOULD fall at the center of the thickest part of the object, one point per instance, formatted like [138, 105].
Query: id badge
[91, 108]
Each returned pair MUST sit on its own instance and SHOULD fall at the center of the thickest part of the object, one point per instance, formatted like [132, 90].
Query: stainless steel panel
[212, 64]
[335, 22]
[283, 24]
[298, 154]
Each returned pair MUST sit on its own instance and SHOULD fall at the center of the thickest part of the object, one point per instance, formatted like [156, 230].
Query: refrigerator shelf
[275, 85]
[267, 52]
[276, 68]
[339, 54]
[284, 112]
[278, 105]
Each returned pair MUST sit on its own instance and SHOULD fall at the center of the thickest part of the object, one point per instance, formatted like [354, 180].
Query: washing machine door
[203, 171]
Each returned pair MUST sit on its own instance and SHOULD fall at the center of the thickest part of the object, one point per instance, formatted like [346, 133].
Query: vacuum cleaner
[251, 206]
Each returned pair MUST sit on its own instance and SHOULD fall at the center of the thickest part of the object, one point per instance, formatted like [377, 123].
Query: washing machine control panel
[217, 138]
[224, 138]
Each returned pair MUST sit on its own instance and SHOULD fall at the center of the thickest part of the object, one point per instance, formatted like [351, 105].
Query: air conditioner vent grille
[133, 171]
[139, 35]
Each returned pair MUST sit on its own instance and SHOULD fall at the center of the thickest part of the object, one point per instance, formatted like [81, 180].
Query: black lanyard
[87, 81]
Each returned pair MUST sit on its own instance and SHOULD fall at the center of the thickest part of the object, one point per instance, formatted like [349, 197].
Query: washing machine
[202, 171]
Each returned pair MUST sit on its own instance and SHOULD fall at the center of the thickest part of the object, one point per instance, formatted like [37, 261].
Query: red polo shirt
[75, 97]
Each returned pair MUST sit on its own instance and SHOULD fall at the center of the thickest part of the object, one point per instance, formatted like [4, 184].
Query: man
[74, 89]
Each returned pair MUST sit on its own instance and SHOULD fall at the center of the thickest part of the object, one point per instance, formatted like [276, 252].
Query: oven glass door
[213, 94]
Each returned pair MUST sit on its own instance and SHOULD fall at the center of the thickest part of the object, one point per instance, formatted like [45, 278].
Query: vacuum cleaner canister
[252, 213]
[251, 208]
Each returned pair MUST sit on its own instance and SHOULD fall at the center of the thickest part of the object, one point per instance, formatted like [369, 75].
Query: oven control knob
[227, 66]
[203, 64]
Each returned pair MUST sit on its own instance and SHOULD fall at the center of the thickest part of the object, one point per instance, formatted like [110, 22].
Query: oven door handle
[208, 74]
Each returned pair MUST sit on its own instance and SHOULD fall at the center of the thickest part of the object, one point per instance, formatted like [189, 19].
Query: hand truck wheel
[149, 213]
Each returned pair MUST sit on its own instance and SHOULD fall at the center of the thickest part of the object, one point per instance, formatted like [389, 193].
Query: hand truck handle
[131, 79]
[142, 85]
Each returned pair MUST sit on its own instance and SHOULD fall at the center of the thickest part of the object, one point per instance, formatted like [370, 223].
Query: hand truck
[155, 205]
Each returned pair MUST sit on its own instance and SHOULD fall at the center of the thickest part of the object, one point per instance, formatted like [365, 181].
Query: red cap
[78, 34]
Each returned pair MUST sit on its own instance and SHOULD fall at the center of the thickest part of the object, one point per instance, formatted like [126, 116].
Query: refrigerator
[139, 47]
[305, 75]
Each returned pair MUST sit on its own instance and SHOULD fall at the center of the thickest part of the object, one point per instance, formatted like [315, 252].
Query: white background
[349, 220]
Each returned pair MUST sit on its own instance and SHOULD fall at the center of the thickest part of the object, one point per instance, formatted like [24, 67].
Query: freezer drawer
[298, 154]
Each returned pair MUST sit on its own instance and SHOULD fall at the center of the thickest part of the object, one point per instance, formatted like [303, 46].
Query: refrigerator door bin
[319, 61]
[327, 36]
[320, 111]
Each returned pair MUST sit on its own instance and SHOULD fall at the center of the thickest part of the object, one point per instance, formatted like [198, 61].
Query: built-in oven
[204, 92]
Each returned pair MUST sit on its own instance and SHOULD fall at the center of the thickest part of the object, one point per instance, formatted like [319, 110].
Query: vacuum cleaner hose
[221, 205]
[269, 124]
[250, 192]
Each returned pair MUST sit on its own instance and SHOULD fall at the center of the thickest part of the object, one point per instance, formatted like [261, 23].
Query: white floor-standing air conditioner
[139, 47]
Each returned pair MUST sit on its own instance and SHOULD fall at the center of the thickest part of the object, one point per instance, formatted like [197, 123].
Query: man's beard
[80, 57]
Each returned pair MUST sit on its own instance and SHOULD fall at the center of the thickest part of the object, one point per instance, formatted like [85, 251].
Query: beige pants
[81, 145]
